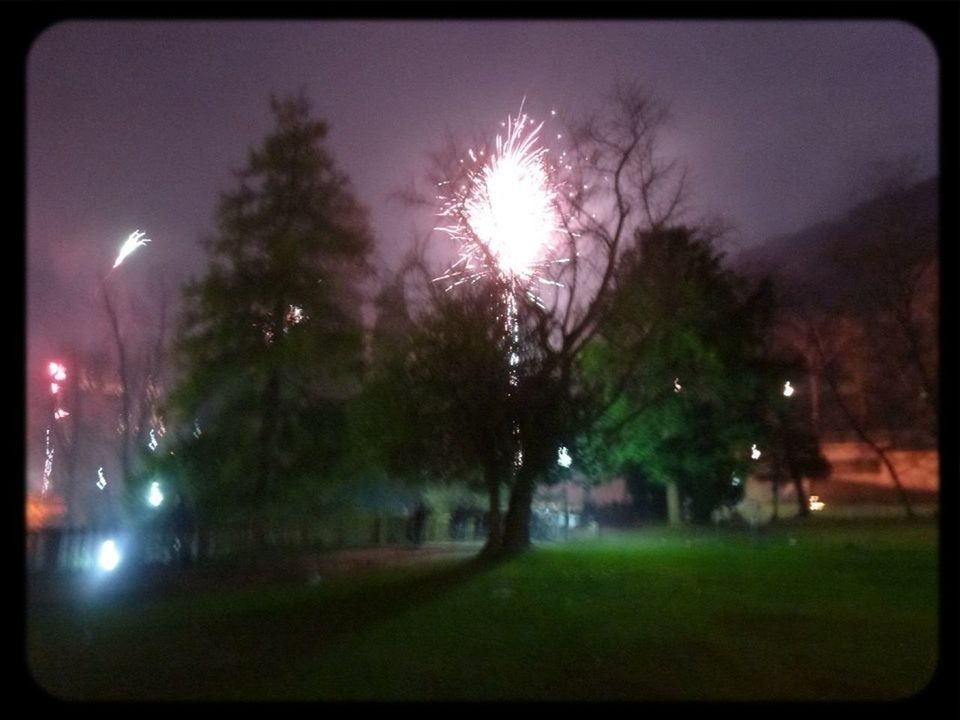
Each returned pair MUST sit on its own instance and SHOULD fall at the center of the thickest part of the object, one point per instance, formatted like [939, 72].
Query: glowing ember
[815, 503]
[787, 389]
[677, 387]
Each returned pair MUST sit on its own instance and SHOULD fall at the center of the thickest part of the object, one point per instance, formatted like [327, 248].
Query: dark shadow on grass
[219, 656]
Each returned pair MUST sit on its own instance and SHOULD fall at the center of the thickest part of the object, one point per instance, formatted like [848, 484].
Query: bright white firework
[102, 481]
[563, 457]
[787, 389]
[60, 414]
[135, 240]
[754, 453]
[504, 213]
[153, 440]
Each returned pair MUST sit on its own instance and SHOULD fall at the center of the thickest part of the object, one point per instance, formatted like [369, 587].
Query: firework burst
[503, 213]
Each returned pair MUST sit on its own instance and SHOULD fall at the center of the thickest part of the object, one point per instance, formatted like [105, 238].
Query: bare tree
[613, 185]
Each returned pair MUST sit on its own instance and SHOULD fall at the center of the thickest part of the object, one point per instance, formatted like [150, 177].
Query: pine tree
[270, 339]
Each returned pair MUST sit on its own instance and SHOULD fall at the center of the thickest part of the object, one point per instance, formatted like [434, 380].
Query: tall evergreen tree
[270, 340]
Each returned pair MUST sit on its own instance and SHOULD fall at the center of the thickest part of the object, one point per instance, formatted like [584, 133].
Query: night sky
[137, 125]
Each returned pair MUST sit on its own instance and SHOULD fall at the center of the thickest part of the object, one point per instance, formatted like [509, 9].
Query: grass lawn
[822, 610]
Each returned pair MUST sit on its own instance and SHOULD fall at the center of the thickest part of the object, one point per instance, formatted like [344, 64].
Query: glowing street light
[109, 556]
[155, 496]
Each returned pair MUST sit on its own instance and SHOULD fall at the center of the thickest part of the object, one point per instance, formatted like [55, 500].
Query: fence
[66, 549]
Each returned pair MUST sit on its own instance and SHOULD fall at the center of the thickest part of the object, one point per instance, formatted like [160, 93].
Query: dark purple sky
[136, 125]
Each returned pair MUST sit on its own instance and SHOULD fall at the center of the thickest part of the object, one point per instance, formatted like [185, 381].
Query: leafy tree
[678, 371]
[454, 381]
[270, 340]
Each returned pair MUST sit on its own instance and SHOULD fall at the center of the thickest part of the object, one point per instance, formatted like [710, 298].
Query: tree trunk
[674, 516]
[803, 508]
[516, 531]
[495, 522]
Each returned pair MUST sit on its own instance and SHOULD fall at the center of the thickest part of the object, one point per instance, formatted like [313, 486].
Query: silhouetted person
[419, 520]
[182, 523]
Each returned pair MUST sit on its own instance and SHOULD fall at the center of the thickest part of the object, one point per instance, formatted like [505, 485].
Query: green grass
[843, 611]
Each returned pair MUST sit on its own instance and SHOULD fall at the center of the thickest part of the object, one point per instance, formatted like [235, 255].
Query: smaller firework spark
[754, 453]
[54, 388]
[196, 428]
[816, 504]
[57, 371]
[294, 316]
[153, 441]
[677, 387]
[563, 457]
[102, 481]
[60, 414]
[787, 389]
[47, 465]
[135, 240]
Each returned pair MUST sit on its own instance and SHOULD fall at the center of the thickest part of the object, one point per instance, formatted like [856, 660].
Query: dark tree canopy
[270, 339]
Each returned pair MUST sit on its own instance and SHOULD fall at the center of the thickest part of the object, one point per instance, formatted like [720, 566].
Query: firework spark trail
[47, 466]
[134, 241]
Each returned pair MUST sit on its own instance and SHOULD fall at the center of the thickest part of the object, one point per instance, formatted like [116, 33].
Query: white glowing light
[153, 440]
[815, 503]
[787, 389]
[736, 481]
[60, 414]
[57, 371]
[563, 457]
[54, 388]
[196, 428]
[135, 240]
[754, 453]
[109, 556]
[677, 387]
[102, 481]
[155, 496]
